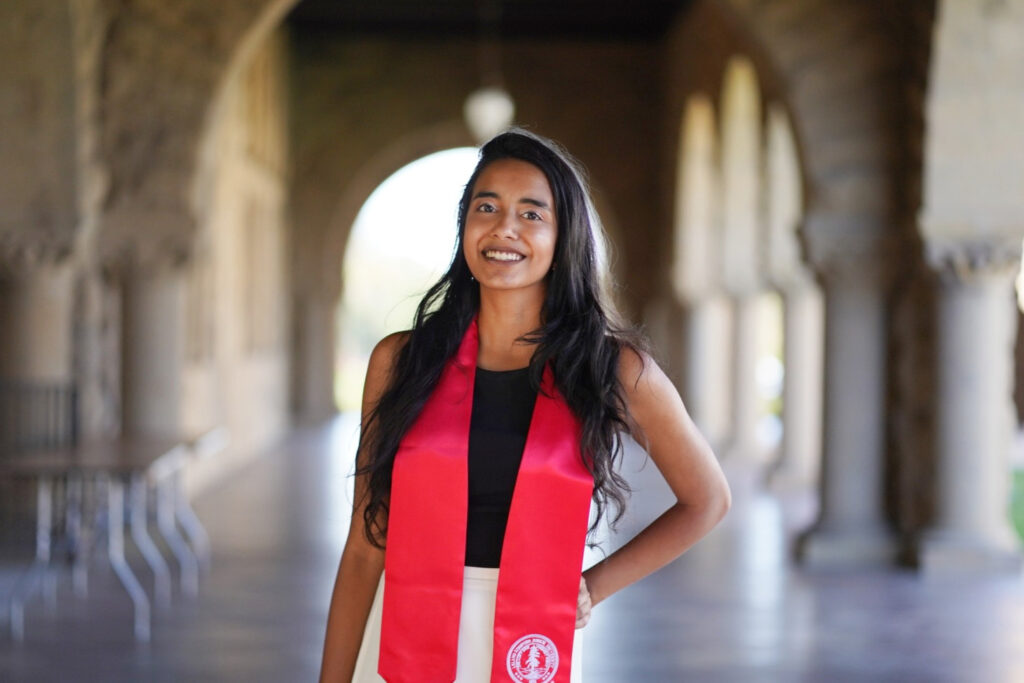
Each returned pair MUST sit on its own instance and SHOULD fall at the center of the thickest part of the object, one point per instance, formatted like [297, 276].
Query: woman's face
[510, 234]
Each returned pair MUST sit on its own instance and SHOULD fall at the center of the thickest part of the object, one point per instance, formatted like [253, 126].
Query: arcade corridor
[732, 610]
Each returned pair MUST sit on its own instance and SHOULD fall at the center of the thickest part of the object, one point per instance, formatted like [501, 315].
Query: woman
[487, 430]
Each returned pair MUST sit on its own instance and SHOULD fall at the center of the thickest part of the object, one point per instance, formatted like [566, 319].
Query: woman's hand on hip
[583, 605]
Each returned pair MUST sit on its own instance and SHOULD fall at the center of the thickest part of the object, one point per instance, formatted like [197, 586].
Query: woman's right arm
[361, 563]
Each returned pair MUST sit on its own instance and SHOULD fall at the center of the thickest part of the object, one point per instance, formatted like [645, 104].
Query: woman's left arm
[660, 422]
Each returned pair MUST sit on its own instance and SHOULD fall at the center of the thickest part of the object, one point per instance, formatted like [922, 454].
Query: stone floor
[730, 610]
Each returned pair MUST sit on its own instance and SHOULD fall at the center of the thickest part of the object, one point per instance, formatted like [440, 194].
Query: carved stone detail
[23, 253]
[968, 261]
[851, 247]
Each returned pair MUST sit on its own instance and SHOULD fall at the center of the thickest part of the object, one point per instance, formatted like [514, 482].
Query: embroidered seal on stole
[532, 659]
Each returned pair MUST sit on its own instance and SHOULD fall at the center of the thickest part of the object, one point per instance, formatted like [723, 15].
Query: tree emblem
[532, 659]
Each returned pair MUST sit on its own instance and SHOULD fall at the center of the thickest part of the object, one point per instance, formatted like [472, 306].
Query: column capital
[850, 247]
[139, 235]
[22, 252]
[968, 261]
[134, 259]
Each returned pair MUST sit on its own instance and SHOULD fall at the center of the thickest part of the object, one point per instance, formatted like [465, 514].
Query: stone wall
[356, 99]
[236, 342]
[362, 108]
[38, 213]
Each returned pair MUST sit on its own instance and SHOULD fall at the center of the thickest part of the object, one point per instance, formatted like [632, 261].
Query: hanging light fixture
[489, 109]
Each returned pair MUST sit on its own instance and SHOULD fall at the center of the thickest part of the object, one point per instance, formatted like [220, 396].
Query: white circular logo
[532, 659]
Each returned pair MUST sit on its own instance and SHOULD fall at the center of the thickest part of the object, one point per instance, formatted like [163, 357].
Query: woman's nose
[505, 226]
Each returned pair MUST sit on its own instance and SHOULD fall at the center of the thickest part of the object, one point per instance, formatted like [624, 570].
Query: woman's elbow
[718, 501]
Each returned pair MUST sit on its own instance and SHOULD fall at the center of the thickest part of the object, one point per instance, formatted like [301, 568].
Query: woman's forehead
[512, 175]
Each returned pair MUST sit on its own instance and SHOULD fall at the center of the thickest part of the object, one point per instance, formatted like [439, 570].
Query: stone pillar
[661, 318]
[974, 414]
[153, 350]
[705, 386]
[851, 527]
[37, 401]
[800, 455]
[744, 394]
[35, 316]
[97, 327]
[313, 386]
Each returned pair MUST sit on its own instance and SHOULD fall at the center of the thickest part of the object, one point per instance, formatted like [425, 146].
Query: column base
[824, 548]
[785, 478]
[946, 552]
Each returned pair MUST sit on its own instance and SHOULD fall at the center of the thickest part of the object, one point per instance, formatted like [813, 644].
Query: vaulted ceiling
[630, 20]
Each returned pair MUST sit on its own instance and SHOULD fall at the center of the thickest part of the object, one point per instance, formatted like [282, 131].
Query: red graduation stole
[542, 555]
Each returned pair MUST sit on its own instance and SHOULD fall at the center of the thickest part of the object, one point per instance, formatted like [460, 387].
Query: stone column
[35, 316]
[851, 528]
[313, 381]
[36, 354]
[744, 394]
[800, 455]
[974, 413]
[705, 385]
[661, 318]
[97, 344]
[153, 350]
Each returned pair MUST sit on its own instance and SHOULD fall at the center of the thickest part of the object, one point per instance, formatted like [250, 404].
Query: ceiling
[636, 20]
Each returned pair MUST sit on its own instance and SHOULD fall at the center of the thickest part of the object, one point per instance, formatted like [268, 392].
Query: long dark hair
[581, 336]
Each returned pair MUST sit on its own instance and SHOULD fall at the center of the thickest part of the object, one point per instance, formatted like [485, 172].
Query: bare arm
[684, 458]
[361, 563]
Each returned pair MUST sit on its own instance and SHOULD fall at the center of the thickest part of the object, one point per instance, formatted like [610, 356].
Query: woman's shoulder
[388, 347]
[639, 373]
[382, 360]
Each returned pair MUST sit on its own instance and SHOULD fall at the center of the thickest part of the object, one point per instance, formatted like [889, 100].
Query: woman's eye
[532, 215]
[486, 208]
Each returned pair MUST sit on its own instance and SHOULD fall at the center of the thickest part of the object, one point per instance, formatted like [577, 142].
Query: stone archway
[157, 69]
[970, 223]
[836, 67]
[130, 90]
[318, 259]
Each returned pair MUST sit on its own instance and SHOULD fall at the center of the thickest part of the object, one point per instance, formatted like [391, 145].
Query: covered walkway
[731, 610]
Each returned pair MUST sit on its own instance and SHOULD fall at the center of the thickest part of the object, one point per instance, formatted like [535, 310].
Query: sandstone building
[178, 179]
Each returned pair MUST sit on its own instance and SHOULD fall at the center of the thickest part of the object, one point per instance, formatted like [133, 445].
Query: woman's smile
[503, 255]
[511, 230]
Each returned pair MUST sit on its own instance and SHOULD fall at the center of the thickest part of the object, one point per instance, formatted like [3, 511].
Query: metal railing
[37, 415]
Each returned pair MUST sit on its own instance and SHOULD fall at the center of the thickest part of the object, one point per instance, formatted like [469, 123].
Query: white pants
[476, 631]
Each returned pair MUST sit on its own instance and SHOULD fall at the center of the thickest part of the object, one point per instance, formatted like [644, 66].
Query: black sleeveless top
[502, 408]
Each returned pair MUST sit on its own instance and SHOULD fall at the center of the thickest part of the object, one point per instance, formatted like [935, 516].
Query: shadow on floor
[732, 609]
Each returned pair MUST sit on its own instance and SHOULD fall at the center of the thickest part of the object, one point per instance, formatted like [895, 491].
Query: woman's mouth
[502, 255]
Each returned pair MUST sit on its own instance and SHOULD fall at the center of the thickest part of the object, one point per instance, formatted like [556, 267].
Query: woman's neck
[506, 315]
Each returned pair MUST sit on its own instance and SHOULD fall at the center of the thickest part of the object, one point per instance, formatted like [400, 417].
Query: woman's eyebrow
[535, 202]
[525, 200]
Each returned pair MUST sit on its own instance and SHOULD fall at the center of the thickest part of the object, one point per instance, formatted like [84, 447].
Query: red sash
[541, 559]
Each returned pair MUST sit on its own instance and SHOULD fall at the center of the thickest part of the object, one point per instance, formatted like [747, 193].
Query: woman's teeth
[503, 255]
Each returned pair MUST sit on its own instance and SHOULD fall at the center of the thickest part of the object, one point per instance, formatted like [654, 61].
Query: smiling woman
[511, 231]
[488, 430]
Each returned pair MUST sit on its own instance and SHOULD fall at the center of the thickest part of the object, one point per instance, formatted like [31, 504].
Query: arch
[693, 271]
[973, 179]
[797, 462]
[399, 153]
[839, 70]
[740, 175]
[394, 156]
[783, 200]
[158, 100]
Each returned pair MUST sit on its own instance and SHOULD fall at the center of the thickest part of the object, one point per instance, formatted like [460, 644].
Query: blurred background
[211, 211]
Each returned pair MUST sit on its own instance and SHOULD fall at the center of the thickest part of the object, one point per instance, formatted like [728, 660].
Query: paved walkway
[731, 610]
